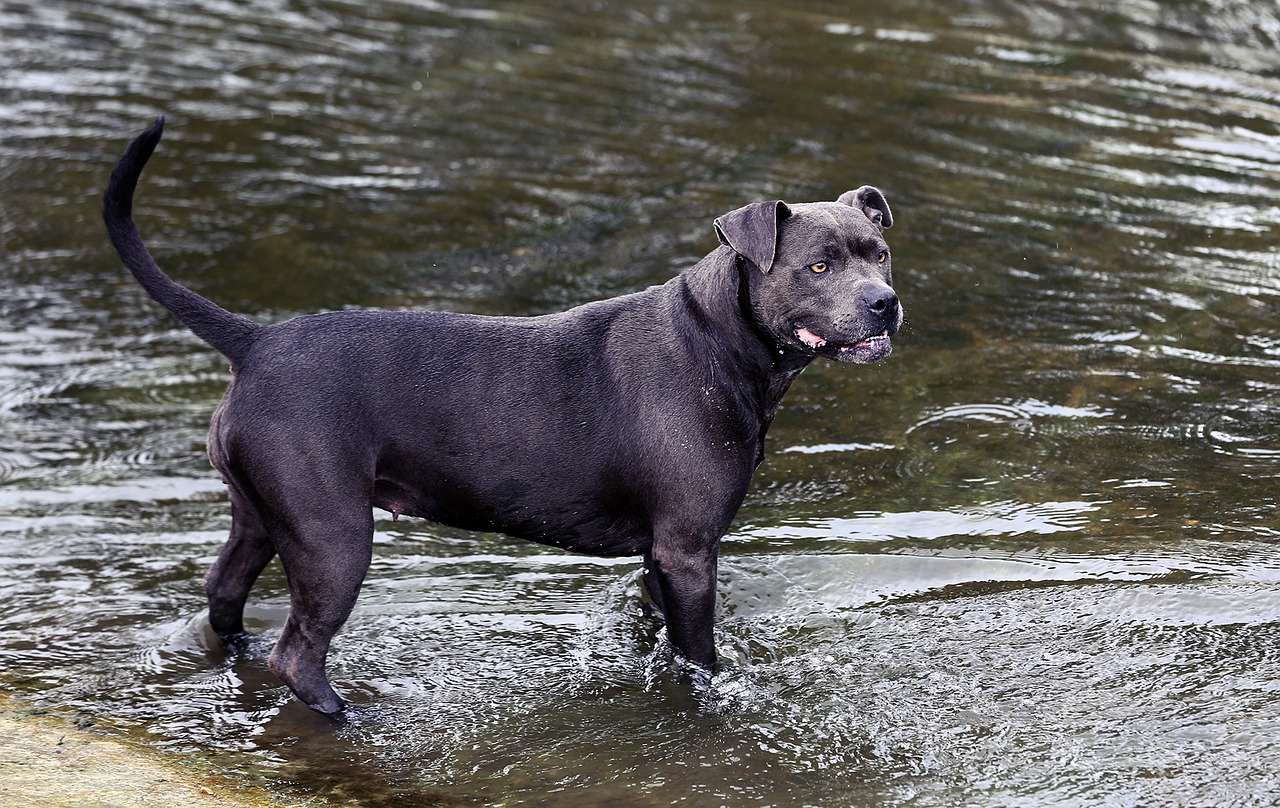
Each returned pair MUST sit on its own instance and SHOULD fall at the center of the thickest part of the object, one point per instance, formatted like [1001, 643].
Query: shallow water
[1031, 558]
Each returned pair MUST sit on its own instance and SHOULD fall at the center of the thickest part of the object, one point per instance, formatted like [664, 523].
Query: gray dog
[628, 426]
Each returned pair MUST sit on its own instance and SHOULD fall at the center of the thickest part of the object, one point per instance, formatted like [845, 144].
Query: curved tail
[230, 334]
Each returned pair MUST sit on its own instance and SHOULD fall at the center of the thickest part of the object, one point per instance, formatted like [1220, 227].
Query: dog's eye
[821, 266]
[884, 256]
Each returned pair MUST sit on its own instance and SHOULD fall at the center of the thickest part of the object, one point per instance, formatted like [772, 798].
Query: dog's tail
[231, 334]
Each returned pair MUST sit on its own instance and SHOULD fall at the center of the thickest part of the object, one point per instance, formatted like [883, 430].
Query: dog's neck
[719, 295]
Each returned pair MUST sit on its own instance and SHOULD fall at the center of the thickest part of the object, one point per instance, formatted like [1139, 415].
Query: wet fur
[628, 426]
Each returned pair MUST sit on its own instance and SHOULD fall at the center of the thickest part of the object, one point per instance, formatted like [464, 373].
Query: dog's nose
[882, 301]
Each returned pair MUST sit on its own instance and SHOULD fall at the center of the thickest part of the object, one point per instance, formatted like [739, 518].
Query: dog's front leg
[685, 574]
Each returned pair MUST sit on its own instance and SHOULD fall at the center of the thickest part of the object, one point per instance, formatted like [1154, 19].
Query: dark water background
[1032, 558]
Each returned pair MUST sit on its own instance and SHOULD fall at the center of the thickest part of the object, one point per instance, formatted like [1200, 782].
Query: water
[1029, 559]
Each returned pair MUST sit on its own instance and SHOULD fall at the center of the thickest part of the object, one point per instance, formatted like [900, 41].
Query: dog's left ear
[752, 231]
[870, 201]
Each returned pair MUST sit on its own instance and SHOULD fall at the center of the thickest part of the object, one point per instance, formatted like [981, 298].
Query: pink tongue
[809, 338]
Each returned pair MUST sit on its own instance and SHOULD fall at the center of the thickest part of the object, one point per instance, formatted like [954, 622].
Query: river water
[1031, 558]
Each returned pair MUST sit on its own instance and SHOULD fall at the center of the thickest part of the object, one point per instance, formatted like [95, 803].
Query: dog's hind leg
[325, 557]
[247, 552]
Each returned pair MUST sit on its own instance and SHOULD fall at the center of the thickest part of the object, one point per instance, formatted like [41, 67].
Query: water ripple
[1028, 560]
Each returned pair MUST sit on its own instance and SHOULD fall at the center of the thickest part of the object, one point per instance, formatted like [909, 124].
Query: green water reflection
[1030, 559]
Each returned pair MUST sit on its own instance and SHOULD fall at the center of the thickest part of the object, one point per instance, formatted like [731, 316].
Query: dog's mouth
[864, 351]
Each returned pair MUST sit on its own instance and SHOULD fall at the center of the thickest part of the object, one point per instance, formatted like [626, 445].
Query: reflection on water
[1029, 559]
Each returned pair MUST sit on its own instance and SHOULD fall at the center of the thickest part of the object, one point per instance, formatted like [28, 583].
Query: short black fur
[628, 426]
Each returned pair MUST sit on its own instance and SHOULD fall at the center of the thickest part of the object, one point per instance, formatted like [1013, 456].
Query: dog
[626, 426]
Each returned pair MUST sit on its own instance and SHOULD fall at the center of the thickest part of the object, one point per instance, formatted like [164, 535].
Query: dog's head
[820, 275]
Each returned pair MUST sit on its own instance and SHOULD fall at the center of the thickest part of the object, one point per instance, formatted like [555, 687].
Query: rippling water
[1030, 559]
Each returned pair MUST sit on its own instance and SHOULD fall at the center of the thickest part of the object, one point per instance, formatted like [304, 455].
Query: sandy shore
[47, 762]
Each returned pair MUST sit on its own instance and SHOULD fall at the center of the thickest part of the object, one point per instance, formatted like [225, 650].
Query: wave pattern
[1030, 559]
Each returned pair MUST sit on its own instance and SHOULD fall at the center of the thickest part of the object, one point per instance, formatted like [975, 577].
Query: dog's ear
[752, 231]
[871, 202]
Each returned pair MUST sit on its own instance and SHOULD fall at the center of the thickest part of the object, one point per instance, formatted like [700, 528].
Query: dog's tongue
[809, 338]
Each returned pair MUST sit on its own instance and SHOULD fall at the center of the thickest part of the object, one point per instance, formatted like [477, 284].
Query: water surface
[1029, 559]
